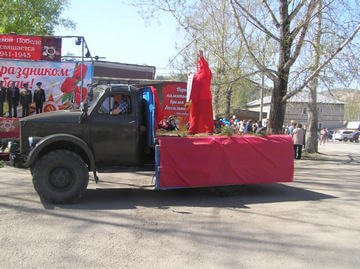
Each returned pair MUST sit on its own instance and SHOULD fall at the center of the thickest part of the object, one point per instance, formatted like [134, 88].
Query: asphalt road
[311, 223]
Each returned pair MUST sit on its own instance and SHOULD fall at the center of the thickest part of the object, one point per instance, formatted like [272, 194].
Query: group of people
[240, 126]
[14, 96]
[324, 135]
[297, 132]
[168, 124]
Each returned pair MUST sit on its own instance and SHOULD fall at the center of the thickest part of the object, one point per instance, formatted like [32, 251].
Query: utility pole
[81, 69]
[262, 85]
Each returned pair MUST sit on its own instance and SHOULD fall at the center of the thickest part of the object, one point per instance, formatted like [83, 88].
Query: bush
[227, 131]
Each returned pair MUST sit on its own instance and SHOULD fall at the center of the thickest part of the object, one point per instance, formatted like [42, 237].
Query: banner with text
[174, 99]
[30, 47]
[60, 80]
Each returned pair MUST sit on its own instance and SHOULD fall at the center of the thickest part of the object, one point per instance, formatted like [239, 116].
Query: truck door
[113, 131]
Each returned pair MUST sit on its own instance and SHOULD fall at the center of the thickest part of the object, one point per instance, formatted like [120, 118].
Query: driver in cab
[121, 106]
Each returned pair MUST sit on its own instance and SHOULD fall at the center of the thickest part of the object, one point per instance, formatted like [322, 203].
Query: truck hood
[49, 123]
[64, 116]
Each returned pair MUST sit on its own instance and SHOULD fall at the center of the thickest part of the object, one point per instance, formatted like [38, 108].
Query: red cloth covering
[158, 110]
[201, 114]
[216, 161]
[9, 127]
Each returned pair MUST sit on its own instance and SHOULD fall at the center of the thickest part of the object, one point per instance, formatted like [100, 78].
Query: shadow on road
[231, 196]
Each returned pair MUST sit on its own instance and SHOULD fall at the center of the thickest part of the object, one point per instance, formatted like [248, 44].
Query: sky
[115, 30]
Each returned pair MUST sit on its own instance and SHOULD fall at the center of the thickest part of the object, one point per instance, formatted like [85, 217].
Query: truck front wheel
[60, 176]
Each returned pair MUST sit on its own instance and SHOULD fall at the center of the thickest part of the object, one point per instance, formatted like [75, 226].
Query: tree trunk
[216, 98]
[228, 101]
[312, 122]
[278, 106]
[311, 140]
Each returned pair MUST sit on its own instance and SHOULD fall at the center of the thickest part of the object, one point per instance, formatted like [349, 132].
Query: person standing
[292, 127]
[2, 98]
[201, 112]
[298, 139]
[259, 127]
[39, 98]
[13, 96]
[248, 127]
[25, 100]
[323, 136]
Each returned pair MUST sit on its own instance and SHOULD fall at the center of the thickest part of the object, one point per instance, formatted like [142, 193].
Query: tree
[312, 122]
[329, 24]
[289, 42]
[288, 28]
[33, 17]
[208, 25]
[282, 25]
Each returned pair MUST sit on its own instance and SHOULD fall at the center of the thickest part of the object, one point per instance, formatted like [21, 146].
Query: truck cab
[61, 147]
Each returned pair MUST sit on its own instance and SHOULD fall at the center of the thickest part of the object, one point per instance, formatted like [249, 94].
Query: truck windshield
[97, 93]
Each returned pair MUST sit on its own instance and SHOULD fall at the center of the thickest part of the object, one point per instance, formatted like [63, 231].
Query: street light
[81, 41]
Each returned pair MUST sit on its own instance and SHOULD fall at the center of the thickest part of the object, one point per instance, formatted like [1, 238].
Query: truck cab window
[117, 104]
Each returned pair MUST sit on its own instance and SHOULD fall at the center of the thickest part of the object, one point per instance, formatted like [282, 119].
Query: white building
[330, 110]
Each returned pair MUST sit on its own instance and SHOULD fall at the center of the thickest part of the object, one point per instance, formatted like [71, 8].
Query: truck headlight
[31, 141]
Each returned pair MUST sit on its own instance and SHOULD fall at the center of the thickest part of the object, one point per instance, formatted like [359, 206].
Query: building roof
[301, 97]
[121, 70]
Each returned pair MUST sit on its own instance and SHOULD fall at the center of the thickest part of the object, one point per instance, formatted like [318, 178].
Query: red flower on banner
[78, 94]
[77, 72]
[68, 85]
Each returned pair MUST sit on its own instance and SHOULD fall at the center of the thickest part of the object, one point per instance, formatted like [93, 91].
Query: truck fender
[51, 139]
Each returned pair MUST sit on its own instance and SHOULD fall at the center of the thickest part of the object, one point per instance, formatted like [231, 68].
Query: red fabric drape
[158, 110]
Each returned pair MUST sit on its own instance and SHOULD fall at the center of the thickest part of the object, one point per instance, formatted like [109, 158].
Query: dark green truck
[61, 147]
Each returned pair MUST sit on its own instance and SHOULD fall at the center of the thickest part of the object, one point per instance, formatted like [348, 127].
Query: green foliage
[262, 133]
[177, 77]
[67, 97]
[226, 131]
[33, 17]
[2, 164]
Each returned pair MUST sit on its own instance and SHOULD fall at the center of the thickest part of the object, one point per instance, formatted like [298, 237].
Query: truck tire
[60, 176]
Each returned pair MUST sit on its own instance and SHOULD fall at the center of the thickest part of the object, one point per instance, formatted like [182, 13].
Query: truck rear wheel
[60, 176]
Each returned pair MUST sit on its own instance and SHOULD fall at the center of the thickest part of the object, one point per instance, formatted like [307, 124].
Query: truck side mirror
[84, 107]
[90, 94]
